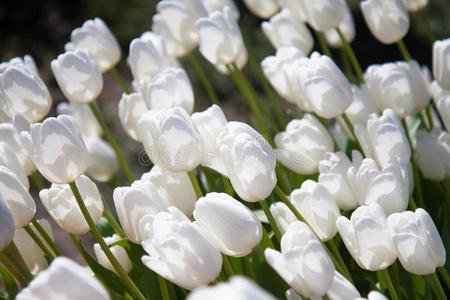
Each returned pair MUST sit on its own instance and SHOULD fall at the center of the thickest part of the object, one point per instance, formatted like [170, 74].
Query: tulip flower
[24, 93]
[171, 139]
[83, 117]
[61, 205]
[374, 295]
[175, 22]
[9, 160]
[118, 251]
[102, 160]
[323, 86]
[27, 61]
[218, 5]
[383, 138]
[238, 287]
[170, 88]
[433, 154]
[228, 224]
[366, 237]
[17, 198]
[362, 105]
[283, 215]
[303, 262]
[415, 5]
[57, 149]
[303, 144]
[346, 26]
[209, 123]
[220, 40]
[262, 9]
[318, 208]
[441, 65]
[283, 29]
[249, 161]
[96, 37]
[323, 15]
[443, 107]
[64, 279]
[78, 76]
[6, 225]
[417, 241]
[388, 20]
[294, 8]
[131, 108]
[179, 253]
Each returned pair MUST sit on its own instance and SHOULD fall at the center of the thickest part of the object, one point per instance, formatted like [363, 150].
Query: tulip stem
[96, 234]
[443, 272]
[248, 267]
[227, 266]
[412, 203]
[120, 80]
[46, 237]
[323, 44]
[352, 130]
[351, 55]
[271, 219]
[198, 190]
[114, 224]
[429, 112]
[436, 286]
[424, 122]
[402, 47]
[289, 204]
[13, 269]
[389, 283]
[163, 287]
[204, 79]
[18, 261]
[347, 65]
[426, 24]
[37, 181]
[38, 241]
[227, 185]
[112, 141]
[339, 258]
[282, 179]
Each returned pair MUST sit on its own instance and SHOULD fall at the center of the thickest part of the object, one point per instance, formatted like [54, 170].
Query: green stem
[347, 66]
[412, 203]
[389, 284]
[271, 219]
[323, 44]
[396, 279]
[227, 185]
[114, 224]
[352, 130]
[282, 179]
[351, 55]
[13, 269]
[248, 267]
[198, 190]
[443, 272]
[426, 25]
[204, 79]
[429, 112]
[402, 47]
[98, 237]
[163, 287]
[112, 141]
[227, 266]
[38, 241]
[340, 260]
[120, 80]
[46, 237]
[37, 181]
[424, 122]
[436, 286]
[19, 263]
[325, 297]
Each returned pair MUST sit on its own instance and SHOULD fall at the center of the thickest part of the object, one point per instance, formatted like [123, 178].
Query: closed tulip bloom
[295, 8]
[262, 9]
[346, 26]
[78, 76]
[362, 105]
[118, 251]
[221, 41]
[388, 20]
[64, 280]
[179, 253]
[342, 289]
[6, 225]
[83, 117]
[238, 287]
[443, 107]
[333, 175]
[62, 206]
[249, 161]
[209, 124]
[374, 295]
[433, 154]
[415, 5]
[9, 160]
[441, 64]
[57, 149]
[366, 237]
[213, 5]
[383, 138]
[417, 241]
[131, 108]
[102, 160]
[303, 144]
[283, 29]
[283, 215]
[324, 15]
[26, 61]
[318, 208]
[17, 198]
[303, 262]
[324, 86]
[96, 37]
[171, 139]
[232, 227]
[175, 22]
[168, 89]
[24, 93]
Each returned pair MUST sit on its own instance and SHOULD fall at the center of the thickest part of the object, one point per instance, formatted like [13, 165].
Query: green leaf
[261, 215]
[9, 282]
[104, 227]
[267, 278]
[266, 242]
[122, 243]
[3, 298]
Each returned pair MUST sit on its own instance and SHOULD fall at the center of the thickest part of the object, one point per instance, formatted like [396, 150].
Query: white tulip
[346, 26]
[443, 106]
[102, 160]
[6, 225]
[441, 64]
[433, 154]
[342, 289]
[262, 9]
[9, 160]
[119, 253]
[62, 206]
[213, 5]
[362, 105]
[294, 7]
[27, 61]
[323, 15]
[83, 117]
[131, 108]
[283, 215]
[96, 37]
[415, 5]
[78, 76]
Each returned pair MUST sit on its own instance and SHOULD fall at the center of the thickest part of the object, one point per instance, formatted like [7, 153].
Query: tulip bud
[362, 105]
[324, 86]
[383, 138]
[175, 22]
[171, 139]
[118, 251]
[179, 253]
[366, 237]
[303, 262]
[24, 93]
[388, 20]
[221, 41]
[262, 9]
[283, 29]
[374, 295]
[433, 154]
[283, 215]
[323, 15]
[83, 117]
[9, 160]
[228, 224]
[415, 5]
[170, 88]
[131, 108]
[78, 76]
[443, 107]
[441, 65]
[102, 161]
[303, 144]
[218, 5]
[417, 241]
[57, 149]
[346, 26]
[96, 37]
[27, 61]
[238, 287]
[294, 8]
[62, 206]
[249, 161]
[6, 225]
[64, 279]
[342, 289]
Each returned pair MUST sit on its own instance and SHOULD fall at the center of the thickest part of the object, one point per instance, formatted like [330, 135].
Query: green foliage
[9, 282]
